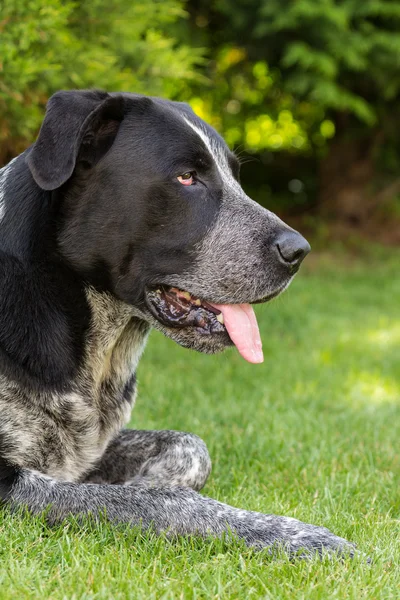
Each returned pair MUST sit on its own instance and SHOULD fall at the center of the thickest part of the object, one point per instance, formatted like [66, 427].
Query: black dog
[126, 214]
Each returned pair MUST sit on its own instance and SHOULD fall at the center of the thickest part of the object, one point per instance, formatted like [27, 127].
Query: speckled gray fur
[153, 458]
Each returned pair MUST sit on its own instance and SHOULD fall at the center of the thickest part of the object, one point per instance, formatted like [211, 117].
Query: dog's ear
[78, 125]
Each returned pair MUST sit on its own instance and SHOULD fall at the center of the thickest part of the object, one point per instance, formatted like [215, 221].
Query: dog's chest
[106, 384]
[64, 434]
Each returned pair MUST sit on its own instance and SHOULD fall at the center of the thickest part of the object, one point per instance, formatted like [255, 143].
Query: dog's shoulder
[42, 331]
[44, 313]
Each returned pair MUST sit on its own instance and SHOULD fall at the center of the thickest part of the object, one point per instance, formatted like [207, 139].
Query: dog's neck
[115, 340]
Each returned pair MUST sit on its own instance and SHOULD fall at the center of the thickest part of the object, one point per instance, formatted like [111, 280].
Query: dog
[127, 214]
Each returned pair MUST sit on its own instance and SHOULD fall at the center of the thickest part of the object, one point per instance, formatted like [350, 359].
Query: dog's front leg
[155, 458]
[175, 510]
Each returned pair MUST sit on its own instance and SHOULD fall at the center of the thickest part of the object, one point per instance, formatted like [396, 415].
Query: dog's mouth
[176, 308]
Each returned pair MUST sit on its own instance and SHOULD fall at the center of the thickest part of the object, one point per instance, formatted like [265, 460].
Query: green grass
[312, 433]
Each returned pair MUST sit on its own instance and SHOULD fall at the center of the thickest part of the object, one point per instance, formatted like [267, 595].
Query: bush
[48, 45]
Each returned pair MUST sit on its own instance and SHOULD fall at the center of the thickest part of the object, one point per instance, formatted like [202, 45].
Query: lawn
[313, 433]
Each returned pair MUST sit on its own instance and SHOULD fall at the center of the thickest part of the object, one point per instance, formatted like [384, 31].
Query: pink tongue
[241, 324]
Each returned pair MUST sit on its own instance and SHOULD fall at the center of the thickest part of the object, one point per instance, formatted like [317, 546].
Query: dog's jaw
[206, 326]
[188, 337]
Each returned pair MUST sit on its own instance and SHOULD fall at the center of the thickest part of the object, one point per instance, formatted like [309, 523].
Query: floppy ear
[77, 124]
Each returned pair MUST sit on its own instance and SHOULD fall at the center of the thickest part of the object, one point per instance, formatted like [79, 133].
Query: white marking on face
[232, 186]
[220, 158]
[4, 173]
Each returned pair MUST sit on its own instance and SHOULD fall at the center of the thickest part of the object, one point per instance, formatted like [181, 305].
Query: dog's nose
[292, 247]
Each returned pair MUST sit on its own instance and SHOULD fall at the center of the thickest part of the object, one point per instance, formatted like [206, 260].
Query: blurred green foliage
[46, 45]
[309, 87]
[335, 55]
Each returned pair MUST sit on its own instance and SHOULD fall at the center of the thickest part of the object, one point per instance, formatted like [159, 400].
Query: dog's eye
[186, 178]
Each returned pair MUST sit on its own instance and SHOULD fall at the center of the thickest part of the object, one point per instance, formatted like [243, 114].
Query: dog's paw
[305, 540]
[294, 537]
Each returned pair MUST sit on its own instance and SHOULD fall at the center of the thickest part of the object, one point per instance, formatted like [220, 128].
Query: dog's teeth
[220, 318]
[158, 291]
[197, 302]
[185, 295]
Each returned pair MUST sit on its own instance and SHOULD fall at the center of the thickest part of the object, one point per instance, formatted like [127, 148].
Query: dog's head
[152, 211]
